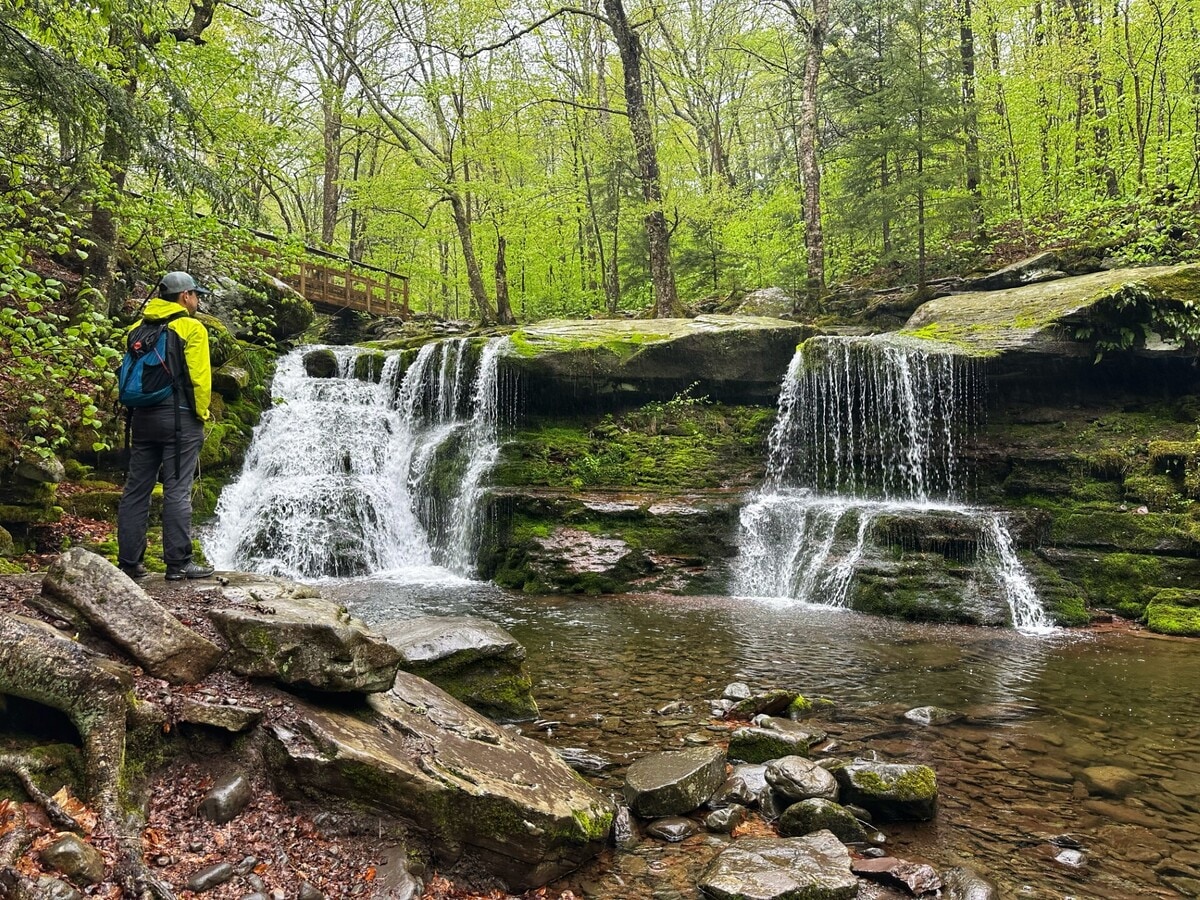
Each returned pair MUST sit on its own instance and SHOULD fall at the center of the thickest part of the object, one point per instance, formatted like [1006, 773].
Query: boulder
[1043, 266]
[419, 753]
[746, 785]
[672, 829]
[767, 704]
[94, 592]
[613, 363]
[79, 861]
[229, 381]
[798, 778]
[293, 637]
[1067, 316]
[889, 791]
[667, 784]
[321, 363]
[758, 745]
[230, 795]
[227, 717]
[472, 659]
[725, 820]
[1174, 611]
[815, 814]
[40, 469]
[815, 867]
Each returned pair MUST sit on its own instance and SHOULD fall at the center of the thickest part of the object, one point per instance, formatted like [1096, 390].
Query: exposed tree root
[22, 766]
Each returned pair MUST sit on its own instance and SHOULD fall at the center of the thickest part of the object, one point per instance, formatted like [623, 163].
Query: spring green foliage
[1078, 129]
[59, 359]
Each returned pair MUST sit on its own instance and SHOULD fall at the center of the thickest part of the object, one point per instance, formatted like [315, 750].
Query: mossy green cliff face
[1094, 464]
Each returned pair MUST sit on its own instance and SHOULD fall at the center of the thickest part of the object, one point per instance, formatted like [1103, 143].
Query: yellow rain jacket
[196, 380]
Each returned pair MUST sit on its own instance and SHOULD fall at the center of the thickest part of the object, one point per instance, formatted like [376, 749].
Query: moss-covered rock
[613, 364]
[1174, 611]
[890, 791]
[815, 813]
[1102, 311]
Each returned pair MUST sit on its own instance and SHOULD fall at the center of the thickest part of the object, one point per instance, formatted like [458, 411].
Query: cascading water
[868, 431]
[348, 476]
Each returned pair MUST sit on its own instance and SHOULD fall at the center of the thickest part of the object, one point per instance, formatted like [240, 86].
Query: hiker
[166, 381]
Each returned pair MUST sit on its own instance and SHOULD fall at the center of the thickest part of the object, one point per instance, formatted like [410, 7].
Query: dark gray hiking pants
[152, 448]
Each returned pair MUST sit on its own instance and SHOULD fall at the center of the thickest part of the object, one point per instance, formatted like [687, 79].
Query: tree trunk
[114, 162]
[462, 222]
[504, 313]
[966, 46]
[662, 275]
[814, 238]
[331, 176]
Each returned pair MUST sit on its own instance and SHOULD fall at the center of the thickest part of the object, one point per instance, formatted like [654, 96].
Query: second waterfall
[865, 466]
[353, 476]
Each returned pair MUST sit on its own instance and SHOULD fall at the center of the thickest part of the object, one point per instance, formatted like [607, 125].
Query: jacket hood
[158, 309]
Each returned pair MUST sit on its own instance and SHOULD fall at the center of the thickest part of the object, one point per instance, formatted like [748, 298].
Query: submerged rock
[916, 878]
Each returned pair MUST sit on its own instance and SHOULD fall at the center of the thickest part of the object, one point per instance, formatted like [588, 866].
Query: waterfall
[347, 476]
[870, 431]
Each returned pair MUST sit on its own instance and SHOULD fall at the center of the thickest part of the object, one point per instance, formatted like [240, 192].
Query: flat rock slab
[1029, 318]
[734, 357]
[111, 603]
[669, 784]
[815, 867]
[417, 752]
[293, 637]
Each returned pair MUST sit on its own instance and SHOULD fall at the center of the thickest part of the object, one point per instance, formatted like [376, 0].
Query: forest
[517, 161]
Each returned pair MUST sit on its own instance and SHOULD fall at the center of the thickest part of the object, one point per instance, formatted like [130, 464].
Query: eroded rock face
[419, 753]
[472, 659]
[615, 363]
[97, 593]
[293, 637]
[815, 867]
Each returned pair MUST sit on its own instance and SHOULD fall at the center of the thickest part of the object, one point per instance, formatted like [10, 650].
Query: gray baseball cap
[177, 283]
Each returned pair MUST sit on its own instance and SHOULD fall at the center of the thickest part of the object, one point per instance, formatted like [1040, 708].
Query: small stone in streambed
[672, 829]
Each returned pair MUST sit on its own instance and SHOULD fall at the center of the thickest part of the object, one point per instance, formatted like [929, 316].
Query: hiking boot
[137, 571]
[191, 570]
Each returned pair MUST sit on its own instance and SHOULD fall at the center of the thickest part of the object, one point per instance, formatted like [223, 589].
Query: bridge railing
[343, 284]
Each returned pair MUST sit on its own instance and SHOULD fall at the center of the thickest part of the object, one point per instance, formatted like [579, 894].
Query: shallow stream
[1038, 711]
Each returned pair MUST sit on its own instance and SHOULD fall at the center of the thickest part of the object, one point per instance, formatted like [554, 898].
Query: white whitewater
[350, 477]
[867, 426]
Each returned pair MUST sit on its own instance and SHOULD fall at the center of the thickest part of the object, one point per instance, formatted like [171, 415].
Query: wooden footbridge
[332, 283]
[351, 285]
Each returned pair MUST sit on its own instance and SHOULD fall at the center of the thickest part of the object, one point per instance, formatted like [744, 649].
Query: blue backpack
[152, 366]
